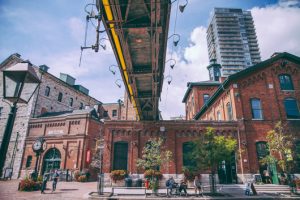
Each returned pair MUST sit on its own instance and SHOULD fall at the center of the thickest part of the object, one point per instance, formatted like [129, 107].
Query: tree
[97, 155]
[153, 156]
[210, 150]
[280, 142]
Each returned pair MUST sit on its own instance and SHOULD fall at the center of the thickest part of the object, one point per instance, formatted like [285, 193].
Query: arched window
[229, 111]
[291, 108]
[120, 155]
[71, 102]
[256, 109]
[47, 91]
[286, 82]
[218, 115]
[187, 148]
[28, 161]
[205, 98]
[59, 98]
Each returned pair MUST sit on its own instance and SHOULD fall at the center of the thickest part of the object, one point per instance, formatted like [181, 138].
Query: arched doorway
[51, 160]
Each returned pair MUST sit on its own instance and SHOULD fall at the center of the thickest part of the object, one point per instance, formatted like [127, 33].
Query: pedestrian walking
[197, 185]
[55, 179]
[44, 183]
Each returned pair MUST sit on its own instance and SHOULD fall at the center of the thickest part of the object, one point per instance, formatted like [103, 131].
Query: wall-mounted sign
[55, 132]
[88, 156]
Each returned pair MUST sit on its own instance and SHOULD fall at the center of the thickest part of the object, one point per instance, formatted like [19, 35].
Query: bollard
[100, 184]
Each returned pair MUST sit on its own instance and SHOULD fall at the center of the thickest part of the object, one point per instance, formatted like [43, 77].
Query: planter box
[120, 183]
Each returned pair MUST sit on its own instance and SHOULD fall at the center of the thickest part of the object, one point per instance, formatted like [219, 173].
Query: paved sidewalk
[65, 190]
[78, 191]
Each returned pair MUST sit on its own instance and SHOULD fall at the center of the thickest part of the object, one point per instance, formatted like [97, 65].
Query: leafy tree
[210, 151]
[153, 157]
[280, 142]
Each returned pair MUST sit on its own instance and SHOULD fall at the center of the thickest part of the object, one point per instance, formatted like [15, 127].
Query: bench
[164, 191]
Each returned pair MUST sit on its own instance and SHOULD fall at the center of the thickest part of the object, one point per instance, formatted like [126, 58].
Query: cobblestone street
[65, 190]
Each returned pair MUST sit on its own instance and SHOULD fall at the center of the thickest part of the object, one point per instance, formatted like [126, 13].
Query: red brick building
[124, 142]
[257, 97]
[71, 139]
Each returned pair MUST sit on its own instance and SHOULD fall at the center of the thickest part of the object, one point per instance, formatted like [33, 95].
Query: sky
[51, 32]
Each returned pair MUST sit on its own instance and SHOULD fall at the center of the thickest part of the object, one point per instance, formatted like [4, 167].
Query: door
[227, 171]
[52, 160]
[120, 155]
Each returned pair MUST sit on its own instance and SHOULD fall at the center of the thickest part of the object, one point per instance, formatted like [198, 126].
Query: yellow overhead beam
[119, 52]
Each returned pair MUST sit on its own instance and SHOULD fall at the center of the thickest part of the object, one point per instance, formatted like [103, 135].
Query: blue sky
[51, 32]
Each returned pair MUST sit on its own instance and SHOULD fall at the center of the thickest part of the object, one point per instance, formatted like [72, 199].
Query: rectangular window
[28, 161]
[256, 109]
[291, 108]
[81, 106]
[1, 109]
[105, 114]
[114, 113]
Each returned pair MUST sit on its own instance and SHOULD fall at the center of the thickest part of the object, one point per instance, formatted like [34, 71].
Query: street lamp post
[19, 84]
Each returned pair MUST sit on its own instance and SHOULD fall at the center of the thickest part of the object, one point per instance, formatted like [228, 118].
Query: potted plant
[150, 173]
[118, 177]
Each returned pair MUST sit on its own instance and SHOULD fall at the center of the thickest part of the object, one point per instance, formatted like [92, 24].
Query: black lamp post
[19, 84]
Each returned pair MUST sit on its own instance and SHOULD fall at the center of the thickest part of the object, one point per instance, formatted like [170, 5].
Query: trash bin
[128, 182]
[139, 182]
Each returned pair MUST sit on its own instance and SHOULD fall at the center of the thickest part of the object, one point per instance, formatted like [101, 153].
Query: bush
[116, 175]
[28, 184]
[82, 178]
[152, 173]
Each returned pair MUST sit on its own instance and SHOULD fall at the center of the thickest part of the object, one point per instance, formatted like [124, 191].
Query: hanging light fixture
[176, 39]
[169, 79]
[103, 45]
[173, 62]
[182, 7]
[112, 69]
[118, 83]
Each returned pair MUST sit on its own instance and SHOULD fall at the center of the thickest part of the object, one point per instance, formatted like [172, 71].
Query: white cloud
[191, 66]
[77, 28]
[277, 29]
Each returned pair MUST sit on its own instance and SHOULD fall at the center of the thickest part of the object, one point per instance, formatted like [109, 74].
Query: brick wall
[33, 109]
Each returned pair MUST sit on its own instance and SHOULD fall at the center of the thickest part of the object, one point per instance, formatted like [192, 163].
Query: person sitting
[170, 184]
[267, 177]
[183, 186]
[197, 185]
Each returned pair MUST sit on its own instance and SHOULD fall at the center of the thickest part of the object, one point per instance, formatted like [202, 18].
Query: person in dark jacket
[55, 179]
[44, 183]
